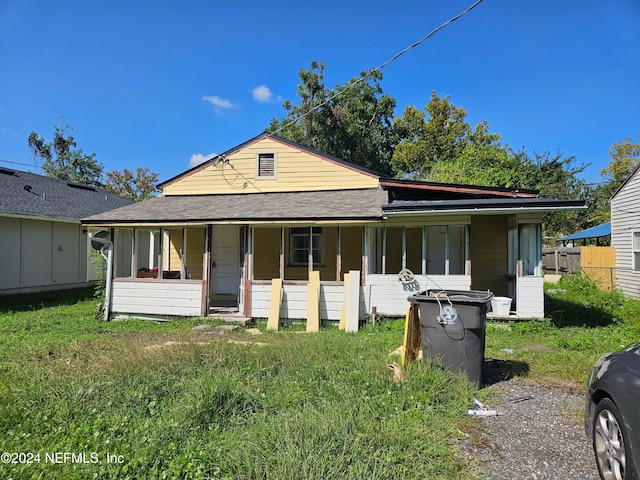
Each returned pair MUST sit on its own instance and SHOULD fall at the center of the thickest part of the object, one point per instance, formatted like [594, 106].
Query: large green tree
[625, 156]
[139, 186]
[352, 121]
[63, 159]
[439, 134]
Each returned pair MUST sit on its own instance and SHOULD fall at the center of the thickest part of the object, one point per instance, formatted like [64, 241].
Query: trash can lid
[454, 296]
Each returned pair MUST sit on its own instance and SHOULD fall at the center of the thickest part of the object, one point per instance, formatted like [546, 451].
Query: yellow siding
[296, 170]
[266, 256]
[175, 250]
[351, 249]
[194, 253]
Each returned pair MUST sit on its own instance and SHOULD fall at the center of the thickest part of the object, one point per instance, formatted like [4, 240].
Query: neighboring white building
[625, 233]
[43, 246]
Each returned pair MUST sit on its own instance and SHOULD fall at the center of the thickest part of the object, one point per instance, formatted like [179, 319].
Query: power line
[380, 67]
[20, 163]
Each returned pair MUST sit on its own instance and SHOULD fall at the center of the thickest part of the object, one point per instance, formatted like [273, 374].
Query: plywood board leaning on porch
[412, 336]
[343, 315]
[273, 322]
[313, 302]
[350, 318]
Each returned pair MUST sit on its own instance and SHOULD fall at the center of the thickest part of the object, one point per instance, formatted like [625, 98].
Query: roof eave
[489, 209]
[230, 220]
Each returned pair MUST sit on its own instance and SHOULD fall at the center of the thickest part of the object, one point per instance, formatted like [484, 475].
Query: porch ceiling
[362, 204]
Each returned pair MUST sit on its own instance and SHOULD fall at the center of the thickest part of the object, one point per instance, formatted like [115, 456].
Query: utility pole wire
[380, 67]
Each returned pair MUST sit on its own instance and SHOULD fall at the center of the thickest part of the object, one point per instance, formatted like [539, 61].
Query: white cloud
[219, 103]
[198, 158]
[262, 94]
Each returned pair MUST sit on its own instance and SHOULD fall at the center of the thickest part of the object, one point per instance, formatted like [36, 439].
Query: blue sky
[159, 84]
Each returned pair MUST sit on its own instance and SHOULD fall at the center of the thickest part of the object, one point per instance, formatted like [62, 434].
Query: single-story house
[267, 209]
[625, 233]
[43, 245]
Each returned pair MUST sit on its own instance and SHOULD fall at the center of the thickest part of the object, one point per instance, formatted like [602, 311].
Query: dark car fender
[617, 376]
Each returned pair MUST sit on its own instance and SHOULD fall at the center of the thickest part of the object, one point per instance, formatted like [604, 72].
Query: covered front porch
[216, 268]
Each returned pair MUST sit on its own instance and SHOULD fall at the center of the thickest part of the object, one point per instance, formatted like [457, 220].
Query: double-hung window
[635, 248]
[531, 249]
[301, 242]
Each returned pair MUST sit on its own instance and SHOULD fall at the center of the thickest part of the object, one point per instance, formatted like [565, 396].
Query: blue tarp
[598, 231]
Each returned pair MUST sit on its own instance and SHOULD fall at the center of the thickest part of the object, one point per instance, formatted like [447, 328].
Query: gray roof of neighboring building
[29, 194]
[357, 204]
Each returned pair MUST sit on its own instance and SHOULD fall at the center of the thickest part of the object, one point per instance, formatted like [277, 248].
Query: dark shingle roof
[283, 206]
[25, 193]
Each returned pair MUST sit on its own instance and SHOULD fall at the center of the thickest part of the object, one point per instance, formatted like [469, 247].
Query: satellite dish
[100, 239]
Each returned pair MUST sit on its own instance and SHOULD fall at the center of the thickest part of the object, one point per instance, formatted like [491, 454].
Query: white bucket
[501, 306]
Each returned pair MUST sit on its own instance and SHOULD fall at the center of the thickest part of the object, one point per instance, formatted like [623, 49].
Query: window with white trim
[266, 165]
[531, 249]
[301, 240]
[635, 248]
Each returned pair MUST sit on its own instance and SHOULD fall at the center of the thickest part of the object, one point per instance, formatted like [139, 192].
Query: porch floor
[511, 316]
[227, 312]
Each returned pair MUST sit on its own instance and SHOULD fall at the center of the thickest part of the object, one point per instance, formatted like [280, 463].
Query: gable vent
[266, 165]
[81, 186]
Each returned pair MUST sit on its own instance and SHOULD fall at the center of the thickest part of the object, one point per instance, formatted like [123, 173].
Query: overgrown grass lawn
[279, 405]
[582, 322]
[82, 398]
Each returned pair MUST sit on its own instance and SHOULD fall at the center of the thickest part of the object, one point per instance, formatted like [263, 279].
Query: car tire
[610, 445]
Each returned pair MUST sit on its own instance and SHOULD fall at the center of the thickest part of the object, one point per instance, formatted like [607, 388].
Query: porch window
[147, 249]
[531, 249]
[446, 249]
[636, 250]
[301, 240]
[266, 165]
[426, 250]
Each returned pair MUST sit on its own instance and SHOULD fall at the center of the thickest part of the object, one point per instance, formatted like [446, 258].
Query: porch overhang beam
[201, 223]
[479, 210]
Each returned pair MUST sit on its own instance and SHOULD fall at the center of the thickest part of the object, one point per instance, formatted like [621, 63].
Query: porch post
[310, 261]
[151, 247]
[249, 274]
[424, 250]
[160, 265]
[384, 250]
[404, 247]
[183, 260]
[206, 268]
[281, 259]
[446, 250]
[365, 257]
[338, 254]
[133, 254]
[467, 250]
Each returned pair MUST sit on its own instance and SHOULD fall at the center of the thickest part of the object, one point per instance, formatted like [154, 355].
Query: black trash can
[452, 324]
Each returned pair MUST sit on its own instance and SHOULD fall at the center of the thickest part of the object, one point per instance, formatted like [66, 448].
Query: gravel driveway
[538, 438]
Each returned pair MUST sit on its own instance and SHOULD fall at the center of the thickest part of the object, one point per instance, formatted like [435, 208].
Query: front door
[225, 263]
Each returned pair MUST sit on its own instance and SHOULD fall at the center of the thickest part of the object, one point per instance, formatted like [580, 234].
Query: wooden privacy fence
[561, 260]
[597, 263]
